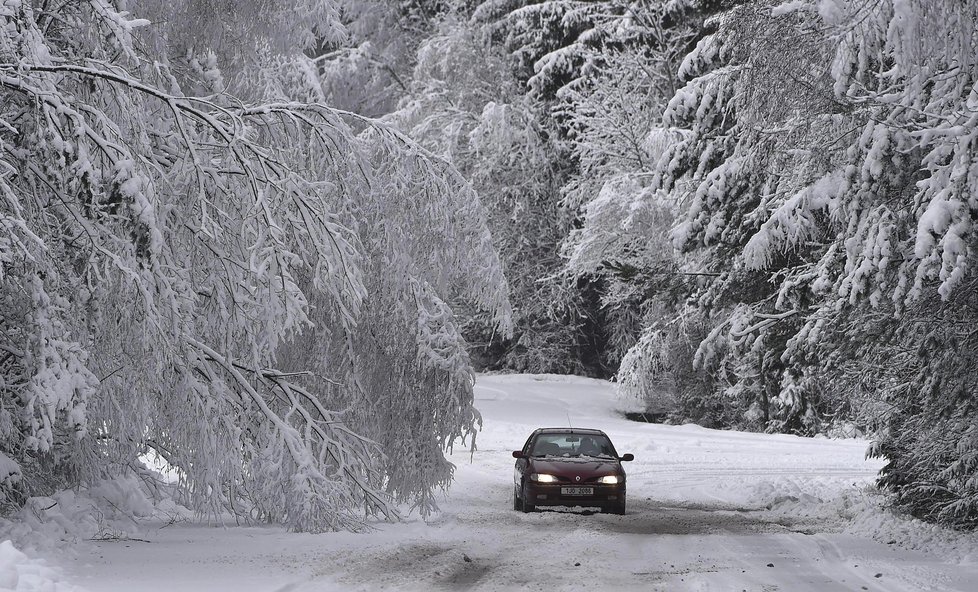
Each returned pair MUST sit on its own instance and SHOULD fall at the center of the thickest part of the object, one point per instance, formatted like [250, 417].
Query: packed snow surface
[707, 510]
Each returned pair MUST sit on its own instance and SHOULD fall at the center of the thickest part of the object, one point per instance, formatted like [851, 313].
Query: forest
[272, 242]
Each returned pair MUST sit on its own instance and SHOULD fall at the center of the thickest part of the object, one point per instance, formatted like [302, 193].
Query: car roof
[569, 431]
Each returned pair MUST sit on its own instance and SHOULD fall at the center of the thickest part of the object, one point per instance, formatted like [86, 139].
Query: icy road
[707, 510]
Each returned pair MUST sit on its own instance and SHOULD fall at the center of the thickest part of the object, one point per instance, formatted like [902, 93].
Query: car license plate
[577, 491]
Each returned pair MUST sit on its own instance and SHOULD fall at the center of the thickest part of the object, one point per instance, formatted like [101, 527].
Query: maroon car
[569, 467]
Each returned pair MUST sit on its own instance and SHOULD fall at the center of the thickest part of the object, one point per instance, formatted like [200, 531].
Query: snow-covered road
[707, 510]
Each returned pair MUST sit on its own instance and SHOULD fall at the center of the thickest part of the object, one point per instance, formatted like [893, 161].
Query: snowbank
[869, 518]
[20, 573]
[110, 510]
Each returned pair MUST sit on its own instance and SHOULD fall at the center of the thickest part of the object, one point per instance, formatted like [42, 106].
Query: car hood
[576, 466]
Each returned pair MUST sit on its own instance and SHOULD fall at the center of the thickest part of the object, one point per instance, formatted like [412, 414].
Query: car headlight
[609, 480]
[540, 478]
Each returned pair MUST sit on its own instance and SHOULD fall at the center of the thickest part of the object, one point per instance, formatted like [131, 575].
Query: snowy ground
[707, 510]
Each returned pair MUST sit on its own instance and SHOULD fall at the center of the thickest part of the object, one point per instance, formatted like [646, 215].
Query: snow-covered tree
[549, 46]
[827, 164]
[371, 71]
[905, 269]
[752, 127]
[613, 111]
[202, 258]
[466, 105]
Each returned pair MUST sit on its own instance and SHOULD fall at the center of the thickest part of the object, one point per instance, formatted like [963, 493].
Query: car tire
[517, 501]
[525, 504]
[618, 508]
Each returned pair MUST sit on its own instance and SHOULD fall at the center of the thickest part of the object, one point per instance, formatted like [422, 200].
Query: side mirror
[627, 457]
[518, 454]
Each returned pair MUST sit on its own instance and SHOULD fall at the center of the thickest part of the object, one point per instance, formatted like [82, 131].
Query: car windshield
[597, 445]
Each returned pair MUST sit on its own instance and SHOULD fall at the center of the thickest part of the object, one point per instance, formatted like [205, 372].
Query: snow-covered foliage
[371, 71]
[644, 373]
[591, 80]
[749, 121]
[466, 105]
[825, 173]
[202, 258]
[909, 208]
[614, 117]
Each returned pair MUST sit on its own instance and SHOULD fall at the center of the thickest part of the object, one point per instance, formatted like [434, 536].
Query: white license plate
[576, 491]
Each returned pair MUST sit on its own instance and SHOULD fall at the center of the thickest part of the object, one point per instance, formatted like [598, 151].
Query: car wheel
[618, 508]
[525, 503]
[517, 501]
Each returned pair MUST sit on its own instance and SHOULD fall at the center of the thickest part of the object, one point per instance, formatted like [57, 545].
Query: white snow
[707, 510]
[20, 573]
[9, 469]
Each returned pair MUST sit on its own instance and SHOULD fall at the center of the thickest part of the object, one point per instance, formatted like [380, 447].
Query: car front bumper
[552, 494]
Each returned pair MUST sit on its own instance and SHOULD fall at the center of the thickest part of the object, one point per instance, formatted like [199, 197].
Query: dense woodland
[271, 241]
